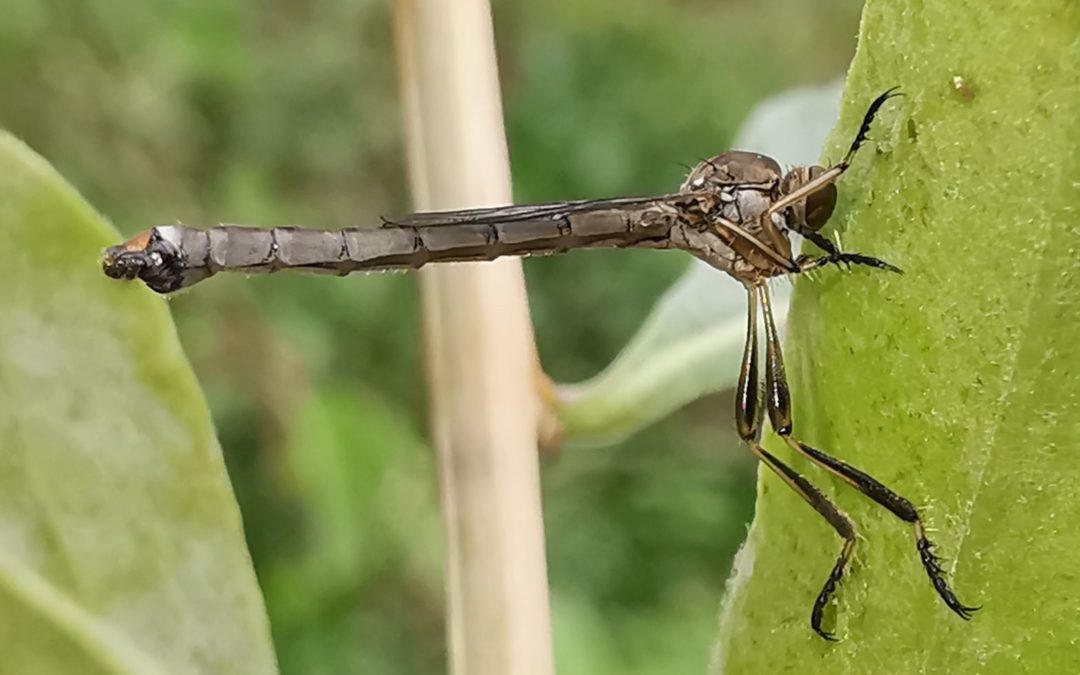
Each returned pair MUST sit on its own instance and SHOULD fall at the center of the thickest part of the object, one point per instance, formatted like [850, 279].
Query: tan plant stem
[479, 348]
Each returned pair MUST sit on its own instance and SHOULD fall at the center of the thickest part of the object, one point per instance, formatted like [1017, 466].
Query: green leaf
[365, 481]
[691, 343]
[121, 547]
[955, 384]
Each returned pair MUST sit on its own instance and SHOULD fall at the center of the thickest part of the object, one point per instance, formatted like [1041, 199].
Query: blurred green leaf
[691, 343]
[121, 547]
[368, 482]
[368, 487]
[956, 383]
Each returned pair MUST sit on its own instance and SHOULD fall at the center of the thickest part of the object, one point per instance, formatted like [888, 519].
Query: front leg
[836, 256]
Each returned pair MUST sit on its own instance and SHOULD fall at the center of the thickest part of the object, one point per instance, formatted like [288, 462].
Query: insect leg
[836, 256]
[779, 401]
[749, 413]
[835, 171]
[763, 248]
[864, 128]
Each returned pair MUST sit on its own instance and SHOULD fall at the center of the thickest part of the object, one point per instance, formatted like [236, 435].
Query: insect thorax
[746, 184]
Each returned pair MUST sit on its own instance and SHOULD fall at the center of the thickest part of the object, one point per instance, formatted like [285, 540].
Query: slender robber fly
[736, 211]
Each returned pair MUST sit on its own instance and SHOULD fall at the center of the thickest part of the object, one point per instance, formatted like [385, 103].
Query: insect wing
[525, 212]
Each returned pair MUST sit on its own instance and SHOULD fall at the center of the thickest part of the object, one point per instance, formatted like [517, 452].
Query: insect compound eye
[820, 205]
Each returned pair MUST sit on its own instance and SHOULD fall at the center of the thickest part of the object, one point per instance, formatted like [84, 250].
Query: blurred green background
[286, 112]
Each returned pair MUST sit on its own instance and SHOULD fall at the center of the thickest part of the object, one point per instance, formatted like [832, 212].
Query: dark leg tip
[826, 635]
[859, 259]
[932, 565]
[822, 601]
[816, 617]
[963, 611]
[891, 92]
[868, 119]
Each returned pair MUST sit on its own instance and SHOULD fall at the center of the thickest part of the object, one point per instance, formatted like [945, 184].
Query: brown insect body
[724, 213]
[736, 211]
